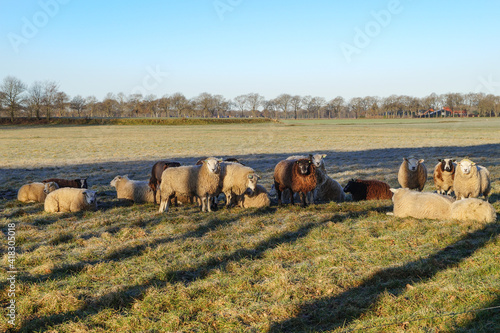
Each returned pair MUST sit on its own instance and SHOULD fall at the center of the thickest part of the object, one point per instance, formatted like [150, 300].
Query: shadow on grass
[124, 298]
[485, 321]
[330, 313]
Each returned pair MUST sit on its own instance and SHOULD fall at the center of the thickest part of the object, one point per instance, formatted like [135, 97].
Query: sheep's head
[50, 187]
[317, 159]
[252, 179]
[305, 166]
[89, 197]
[117, 179]
[466, 166]
[213, 164]
[82, 182]
[447, 164]
[413, 163]
[350, 186]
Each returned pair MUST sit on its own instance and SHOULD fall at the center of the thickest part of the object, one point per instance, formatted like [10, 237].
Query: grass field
[330, 267]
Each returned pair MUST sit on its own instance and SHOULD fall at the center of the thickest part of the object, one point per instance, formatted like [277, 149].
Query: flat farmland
[328, 267]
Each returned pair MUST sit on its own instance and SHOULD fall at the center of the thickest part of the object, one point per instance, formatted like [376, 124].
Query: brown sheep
[297, 176]
[76, 183]
[444, 175]
[156, 172]
[368, 190]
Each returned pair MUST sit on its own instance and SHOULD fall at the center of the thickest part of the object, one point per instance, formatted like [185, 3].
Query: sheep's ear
[453, 160]
[310, 156]
[393, 190]
[421, 160]
[405, 159]
[473, 163]
[440, 160]
[323, 156]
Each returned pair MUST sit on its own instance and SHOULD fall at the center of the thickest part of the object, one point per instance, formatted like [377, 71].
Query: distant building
[444, 112]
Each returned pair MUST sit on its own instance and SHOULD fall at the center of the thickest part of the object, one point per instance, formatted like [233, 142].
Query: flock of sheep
[298, 178]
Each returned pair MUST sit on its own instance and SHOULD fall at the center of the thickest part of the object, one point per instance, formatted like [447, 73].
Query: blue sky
[233, 47]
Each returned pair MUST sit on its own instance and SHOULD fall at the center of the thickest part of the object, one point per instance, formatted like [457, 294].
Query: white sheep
[236, 179]
[36, 192]
[412, 174]
[257, 198]
[473, 210]
[68, 199]
[444, 175]
[421, 205]
[135, 190]
[471, 180]
[202, 181]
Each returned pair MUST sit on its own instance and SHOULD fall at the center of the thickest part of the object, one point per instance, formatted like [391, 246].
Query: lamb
[137, 191]
[69, 199]
[444, 175]
[36, 192]
[202, 181]
[236, 179]
[425, 205]
[156, 172]
[412, 174]
[368, 190]
[471, 180]
[295, 175]
[473, 210]
[76, 183]
[257, 198]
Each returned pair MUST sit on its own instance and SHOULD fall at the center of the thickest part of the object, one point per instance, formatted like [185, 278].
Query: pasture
[329, 267]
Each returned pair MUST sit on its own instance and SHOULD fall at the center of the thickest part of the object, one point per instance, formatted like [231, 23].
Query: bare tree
[336, 106]
[180, 103]
[77, 104]
[12, 95]
[296, 103]
[284, 102]
[165, 104]
[61, 102]
[241, 103]
[91, 102]
[35, 98]
[254, 101]
[50, 90]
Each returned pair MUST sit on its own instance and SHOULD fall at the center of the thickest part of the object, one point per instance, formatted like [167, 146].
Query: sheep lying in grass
[137, 191]
[70, 199]
[76, 183]
[257, 198]
[444, 175]
[368, 190]
[329, 189]
[471, 180]
[36, 192]
[473, 210]
[297, 176]
[426, 205]
[412, 174]
[202, 181]
[236, 179]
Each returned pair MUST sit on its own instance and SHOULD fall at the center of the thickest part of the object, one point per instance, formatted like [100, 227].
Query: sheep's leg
[303, 198]
[204, 203]
[291, 197]
[278, 192]
[229, 198]
[209, 202]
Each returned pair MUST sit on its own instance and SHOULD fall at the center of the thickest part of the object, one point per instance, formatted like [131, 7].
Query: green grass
[329, 267]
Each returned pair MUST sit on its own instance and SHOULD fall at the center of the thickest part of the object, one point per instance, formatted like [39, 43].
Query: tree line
[44, 99]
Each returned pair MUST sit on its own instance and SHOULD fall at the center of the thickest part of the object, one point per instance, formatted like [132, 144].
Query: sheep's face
[115, 181]
[49, 187]
[413, 163]
[304, 166]
[466, 166]
[350, 186]
[89, 197]
[252, 180]
[83, 183]
[318, 159]
[447, 165]
[212, 164]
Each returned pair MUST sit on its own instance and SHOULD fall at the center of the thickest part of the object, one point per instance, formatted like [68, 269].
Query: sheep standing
[137, 191]
[426, 205]
[471, 180]
[156, 172]
[68, 199]
[473, 210]
[202, 181]
[36, 192]
[295, 175]
[76, 183]
[444, 175]
[321, 179]
[257, 198]
[368, 190]
[412, 174]
[236, 179]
